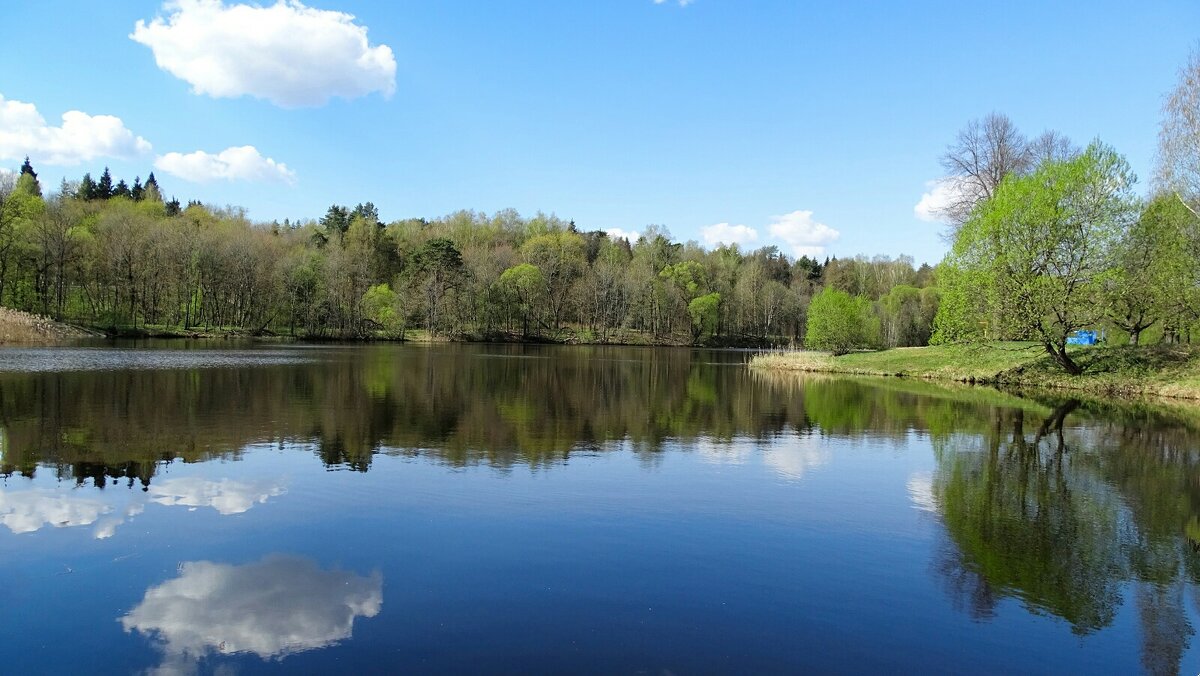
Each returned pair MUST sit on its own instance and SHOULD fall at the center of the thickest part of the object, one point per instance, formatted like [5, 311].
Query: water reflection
[1061, 517]
[1075, 510]
[31, 510]
[226, 496]
[274, 608]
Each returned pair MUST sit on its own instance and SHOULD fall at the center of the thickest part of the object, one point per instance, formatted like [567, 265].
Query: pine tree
[122, 189]
[173, 208]
[137, 191]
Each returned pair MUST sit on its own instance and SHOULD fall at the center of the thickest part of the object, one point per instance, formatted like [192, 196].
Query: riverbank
[1159, 370]
[23, 328]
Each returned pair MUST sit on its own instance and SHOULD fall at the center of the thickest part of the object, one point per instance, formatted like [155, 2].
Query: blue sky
[790, 119]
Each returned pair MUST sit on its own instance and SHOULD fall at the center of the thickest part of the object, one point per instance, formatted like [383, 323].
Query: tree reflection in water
[1072, 508]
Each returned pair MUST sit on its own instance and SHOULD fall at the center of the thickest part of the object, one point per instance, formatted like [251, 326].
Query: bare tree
[1178, 168]
[983, 153]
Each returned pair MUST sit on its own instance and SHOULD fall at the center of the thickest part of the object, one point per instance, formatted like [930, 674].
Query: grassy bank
[1160, 370]
[22, 328]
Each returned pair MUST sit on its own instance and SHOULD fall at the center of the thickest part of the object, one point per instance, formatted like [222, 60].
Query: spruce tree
[151, 191]
[87, 188]
[137, 191]
[104, 189]
[27, 170]
[122, 189]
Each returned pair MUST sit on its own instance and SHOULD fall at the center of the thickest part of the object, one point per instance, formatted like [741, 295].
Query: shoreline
[1164, 371]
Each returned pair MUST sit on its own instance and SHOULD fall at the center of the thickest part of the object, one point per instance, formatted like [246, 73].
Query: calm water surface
[191, 508]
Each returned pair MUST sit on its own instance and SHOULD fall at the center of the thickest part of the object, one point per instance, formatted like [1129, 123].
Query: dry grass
[22, 328]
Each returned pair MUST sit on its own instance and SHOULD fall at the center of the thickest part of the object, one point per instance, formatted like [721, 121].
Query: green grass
[1160, 370]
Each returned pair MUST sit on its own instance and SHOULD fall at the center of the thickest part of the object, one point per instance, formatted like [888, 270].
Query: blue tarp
[1082, 337]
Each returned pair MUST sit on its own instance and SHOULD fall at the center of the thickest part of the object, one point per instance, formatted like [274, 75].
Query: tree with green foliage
[381, 305]
[104, 187]
[704, 311]
[27, 170]
[840, 323]
[1155, 273]
[436, 270]
[1033, 261]
[523, 286]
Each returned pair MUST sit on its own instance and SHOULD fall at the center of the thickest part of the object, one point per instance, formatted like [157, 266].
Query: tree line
[112, 256]
[1048, 239]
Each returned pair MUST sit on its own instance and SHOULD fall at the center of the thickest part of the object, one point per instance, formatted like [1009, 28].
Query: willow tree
[1032, 262]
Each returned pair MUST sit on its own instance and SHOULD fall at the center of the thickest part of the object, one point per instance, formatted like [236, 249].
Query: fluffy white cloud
[940, 195]
[617, 233]
[226, 496]
[31, 510]
[724, 233]
[287, 53]
[804, 235]
[243, 163]
[80, 138]
[273, 608]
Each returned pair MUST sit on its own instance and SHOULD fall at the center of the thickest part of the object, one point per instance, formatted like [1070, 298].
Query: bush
[839, 322]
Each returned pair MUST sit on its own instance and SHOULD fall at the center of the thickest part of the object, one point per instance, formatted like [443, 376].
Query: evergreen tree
[27, 170]
[122, 189]
[137, 191]
[104, 189]
[173, 207]
[336, 220]
[151, 191]
[87, 188]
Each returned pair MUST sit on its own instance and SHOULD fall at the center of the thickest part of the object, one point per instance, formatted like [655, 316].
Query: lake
[228, 508]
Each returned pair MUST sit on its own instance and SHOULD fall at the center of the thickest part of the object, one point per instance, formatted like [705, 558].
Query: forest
[123, 259]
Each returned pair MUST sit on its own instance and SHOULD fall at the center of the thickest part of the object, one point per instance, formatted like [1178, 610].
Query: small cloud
[242, 163]
[793, 460]
[618, 233]
[724, 233]
[681, 3]
[286, 53]
[80, 138]
[226, 496]
[920, 492]
[943, 197]
[804, 235]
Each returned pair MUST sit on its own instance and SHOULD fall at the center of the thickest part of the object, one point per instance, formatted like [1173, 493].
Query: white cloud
[226, 496]
[618, 233]
[920, 492]
[242, 163]
[724, 233]
[273, 608]
[286, 53]
[806, 236]
[681, 3]
[31, 510]
[793, 460]
[939, 195]
[80, 138]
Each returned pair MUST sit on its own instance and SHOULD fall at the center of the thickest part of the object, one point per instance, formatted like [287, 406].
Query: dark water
[316, 509]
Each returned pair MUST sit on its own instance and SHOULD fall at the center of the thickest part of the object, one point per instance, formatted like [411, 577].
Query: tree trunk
[1060, 356]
